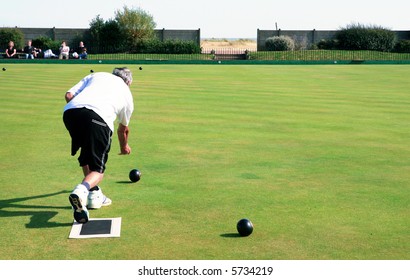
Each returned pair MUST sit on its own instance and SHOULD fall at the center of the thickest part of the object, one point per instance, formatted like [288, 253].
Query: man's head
[124, 73]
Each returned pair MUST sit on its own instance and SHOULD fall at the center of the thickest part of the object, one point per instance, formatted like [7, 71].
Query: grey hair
[124, 73]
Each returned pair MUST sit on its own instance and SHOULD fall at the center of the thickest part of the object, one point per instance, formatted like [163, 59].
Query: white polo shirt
[107, 95]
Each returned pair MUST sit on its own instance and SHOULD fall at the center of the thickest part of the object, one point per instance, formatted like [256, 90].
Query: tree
[136, 25]
[96, 26]
[11, 34]
[111, 38]
[105, 36]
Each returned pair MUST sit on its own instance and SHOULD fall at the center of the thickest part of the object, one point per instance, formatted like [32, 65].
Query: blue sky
[218, 19]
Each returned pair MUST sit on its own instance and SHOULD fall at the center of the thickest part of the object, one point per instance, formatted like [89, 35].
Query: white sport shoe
[78, 200]
[96, 198]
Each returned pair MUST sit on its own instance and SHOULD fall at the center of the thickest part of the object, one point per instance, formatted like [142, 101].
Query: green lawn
[317, 157]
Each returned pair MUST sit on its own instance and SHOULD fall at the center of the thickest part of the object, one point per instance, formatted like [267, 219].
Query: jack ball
[135, 175]
[244, 227]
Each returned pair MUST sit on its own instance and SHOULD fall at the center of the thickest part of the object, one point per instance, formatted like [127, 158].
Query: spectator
[11, 51]
[64, 51]
[30, 51]
[81, 51]
[48, 54]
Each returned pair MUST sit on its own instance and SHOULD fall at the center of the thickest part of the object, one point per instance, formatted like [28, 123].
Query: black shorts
[89, 132]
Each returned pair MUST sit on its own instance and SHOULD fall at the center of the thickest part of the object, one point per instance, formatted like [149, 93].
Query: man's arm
[123, 132]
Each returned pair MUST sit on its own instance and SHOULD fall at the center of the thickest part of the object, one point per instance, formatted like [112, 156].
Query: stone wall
[57, 34]
[179, 34]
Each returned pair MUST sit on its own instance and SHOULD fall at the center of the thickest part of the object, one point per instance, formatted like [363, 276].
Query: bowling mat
[97, 228]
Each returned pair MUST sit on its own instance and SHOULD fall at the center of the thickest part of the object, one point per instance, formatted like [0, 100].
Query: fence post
[257, 40]
[313, 36]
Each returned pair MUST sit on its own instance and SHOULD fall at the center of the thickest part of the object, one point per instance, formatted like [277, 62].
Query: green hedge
[168, 47]
[330, 44]
[361, 37]
[402, 46]
[45, 43]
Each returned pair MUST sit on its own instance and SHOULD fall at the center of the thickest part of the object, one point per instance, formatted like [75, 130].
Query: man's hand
[125, 150]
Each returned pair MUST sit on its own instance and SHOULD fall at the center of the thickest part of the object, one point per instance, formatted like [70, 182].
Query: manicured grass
[317, 157]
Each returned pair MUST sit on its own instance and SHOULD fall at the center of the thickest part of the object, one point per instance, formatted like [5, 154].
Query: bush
[168, 47]
[46, 43]
[11, 34]
[328, 44]
[301, 43]
[360, 37]
[281, 43]
[402, 46]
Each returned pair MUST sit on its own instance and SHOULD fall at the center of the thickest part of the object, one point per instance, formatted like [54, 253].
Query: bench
[22, 55]
[18, 55]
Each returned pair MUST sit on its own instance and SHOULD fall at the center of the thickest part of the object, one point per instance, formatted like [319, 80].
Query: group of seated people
[32, 52]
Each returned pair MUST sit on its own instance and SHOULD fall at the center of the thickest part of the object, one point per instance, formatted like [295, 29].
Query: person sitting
[64, 51]
[81, 51]
[11, 51]
[47, 54]
[30, 51]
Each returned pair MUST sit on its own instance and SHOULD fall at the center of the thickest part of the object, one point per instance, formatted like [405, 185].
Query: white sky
[215, 18]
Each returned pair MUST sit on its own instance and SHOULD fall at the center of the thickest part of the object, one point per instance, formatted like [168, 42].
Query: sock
[86, 185]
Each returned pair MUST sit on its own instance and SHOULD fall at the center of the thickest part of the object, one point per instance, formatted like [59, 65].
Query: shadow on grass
[230, 235]
[125, 182]
[40, 218]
